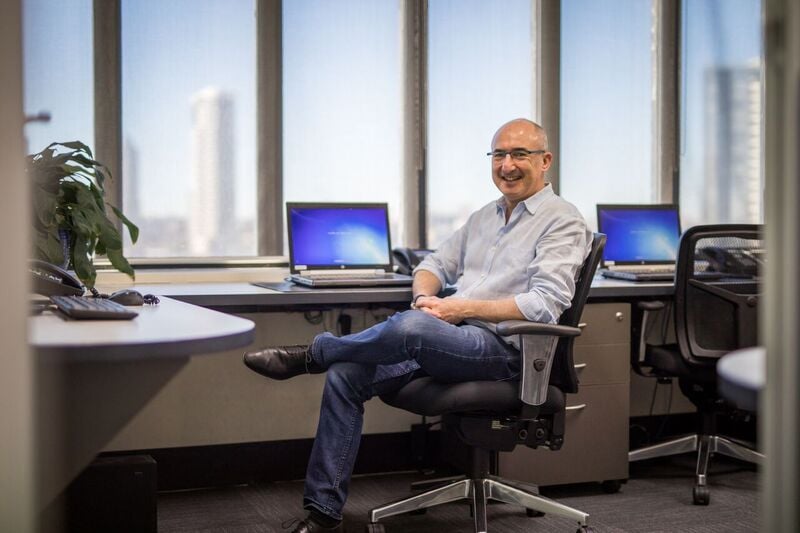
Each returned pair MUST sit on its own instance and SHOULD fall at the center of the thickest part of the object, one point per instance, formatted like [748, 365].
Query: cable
[653, 398]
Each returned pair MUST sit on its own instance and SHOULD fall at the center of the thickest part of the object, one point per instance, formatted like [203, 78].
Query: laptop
[642, 241]
[341, 245]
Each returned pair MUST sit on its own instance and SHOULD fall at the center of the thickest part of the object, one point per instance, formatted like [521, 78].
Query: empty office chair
[490, 416]
[717, 285]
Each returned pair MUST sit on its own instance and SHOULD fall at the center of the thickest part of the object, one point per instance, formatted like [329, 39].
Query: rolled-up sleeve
[446, 263]
[552, 272]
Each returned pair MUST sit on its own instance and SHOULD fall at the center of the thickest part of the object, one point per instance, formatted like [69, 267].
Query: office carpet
[658, 497]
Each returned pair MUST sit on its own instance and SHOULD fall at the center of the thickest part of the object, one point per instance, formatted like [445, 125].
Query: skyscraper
[733, 144]
[211, 214]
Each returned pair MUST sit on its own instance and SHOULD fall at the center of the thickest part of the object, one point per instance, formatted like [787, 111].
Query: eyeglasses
[517, 154]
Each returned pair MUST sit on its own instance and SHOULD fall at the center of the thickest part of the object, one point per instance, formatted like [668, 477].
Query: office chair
[715, 308]
[491, 416]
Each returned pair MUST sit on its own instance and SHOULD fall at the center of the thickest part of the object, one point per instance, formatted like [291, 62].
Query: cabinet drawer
[602, 364]
[605, 324]
[595, 443]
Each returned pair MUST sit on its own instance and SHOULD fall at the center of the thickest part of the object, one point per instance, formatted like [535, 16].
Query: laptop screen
[338, 236]
[639, 234]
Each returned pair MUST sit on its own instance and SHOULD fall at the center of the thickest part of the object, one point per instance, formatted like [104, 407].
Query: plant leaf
[119, 261]
[82, 262]
[133, 229]
[76, 145]
[48, 248]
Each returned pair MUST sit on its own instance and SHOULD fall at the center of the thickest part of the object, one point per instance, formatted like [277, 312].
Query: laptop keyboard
[348, 276]
[648, 270]
[641, 275]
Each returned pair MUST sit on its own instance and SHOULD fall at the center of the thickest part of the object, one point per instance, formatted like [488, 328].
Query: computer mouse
[127, 297]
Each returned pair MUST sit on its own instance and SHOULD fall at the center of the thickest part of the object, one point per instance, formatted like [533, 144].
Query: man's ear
[547, 160]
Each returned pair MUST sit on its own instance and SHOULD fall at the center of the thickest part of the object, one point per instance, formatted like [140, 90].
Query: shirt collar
[532, 203]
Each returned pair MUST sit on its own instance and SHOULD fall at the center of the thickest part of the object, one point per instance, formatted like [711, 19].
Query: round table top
[742, 376]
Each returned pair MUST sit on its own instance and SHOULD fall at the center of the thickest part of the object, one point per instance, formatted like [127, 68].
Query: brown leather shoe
[309, 525]
[282, 362]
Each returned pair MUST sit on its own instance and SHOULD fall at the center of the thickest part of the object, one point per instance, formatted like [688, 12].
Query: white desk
[93, 376]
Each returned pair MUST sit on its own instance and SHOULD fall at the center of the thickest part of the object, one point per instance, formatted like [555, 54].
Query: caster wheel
[611, 486]
[585, 529]
[701, 495]
[533, 513]
[374, 527]
[417, 512]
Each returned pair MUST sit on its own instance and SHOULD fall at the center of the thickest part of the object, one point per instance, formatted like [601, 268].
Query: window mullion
[269, 54]
[108, 94]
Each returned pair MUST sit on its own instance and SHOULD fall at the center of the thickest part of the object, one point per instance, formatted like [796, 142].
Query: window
[343, 104]
[721, 176]
[189, 126]
[58, 72]
[480, 75]
[606, 104]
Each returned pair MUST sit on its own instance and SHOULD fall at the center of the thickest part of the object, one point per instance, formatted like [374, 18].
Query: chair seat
[666, 360]
[427, 397]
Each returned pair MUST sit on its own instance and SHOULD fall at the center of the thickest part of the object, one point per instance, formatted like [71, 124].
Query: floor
[657, 497]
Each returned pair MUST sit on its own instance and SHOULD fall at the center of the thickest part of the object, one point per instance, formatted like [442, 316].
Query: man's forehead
[516, 136]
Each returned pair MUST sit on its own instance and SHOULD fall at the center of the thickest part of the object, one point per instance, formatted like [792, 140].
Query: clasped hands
[451, 310]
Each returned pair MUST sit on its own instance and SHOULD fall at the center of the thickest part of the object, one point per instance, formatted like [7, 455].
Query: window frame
[546, 22]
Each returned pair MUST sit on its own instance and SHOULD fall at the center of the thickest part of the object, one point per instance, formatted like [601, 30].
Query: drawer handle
[579, 366]
[582, 325]
[575, 407]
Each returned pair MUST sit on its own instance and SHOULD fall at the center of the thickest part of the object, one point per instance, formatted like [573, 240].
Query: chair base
[704, 445]
[478, 492]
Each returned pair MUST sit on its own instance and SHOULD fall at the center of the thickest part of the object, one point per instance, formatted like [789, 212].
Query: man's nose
[508, 163]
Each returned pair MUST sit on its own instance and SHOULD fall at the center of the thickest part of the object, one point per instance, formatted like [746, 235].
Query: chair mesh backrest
[717, 286]
[563, 372]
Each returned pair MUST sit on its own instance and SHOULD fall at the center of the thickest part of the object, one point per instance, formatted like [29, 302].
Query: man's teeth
[511, 178]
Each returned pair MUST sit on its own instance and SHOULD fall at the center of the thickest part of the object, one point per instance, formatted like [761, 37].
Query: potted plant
[71, 222]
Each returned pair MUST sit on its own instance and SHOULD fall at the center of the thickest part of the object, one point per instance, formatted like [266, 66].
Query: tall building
[211, 216]
[131, 205]
[131, 189]
[733, 144]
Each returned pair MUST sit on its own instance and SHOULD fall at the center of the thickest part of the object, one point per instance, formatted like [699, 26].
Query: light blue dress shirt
[534, 258]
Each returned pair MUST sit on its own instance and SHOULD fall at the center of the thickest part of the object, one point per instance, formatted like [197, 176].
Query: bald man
[515, 258]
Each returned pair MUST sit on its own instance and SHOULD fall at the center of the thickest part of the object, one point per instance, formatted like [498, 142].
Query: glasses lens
[499, 155]
[519, 155]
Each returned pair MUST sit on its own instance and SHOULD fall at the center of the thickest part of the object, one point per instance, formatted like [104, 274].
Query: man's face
[519, 175]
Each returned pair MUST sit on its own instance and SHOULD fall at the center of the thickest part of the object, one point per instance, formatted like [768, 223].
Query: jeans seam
[342, 457]
[465, 358]
[492, 359]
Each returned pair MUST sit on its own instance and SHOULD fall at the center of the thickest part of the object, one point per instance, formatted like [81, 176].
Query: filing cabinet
[596, 435]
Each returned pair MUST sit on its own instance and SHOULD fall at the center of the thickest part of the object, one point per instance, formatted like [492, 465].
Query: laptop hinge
[346, 273]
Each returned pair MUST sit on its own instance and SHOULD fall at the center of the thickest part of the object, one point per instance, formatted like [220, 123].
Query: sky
[343, 100]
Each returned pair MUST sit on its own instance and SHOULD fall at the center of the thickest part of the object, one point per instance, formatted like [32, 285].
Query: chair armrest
[537, 343]
[654, 305]
[640, 348]
[524, 327]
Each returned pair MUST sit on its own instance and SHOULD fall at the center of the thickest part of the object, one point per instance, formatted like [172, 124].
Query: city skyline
[343, 129]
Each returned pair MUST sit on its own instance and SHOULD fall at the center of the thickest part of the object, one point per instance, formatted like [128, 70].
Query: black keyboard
[82, 308]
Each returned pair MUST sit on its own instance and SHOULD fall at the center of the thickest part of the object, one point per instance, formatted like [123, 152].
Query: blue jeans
[380, 360]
